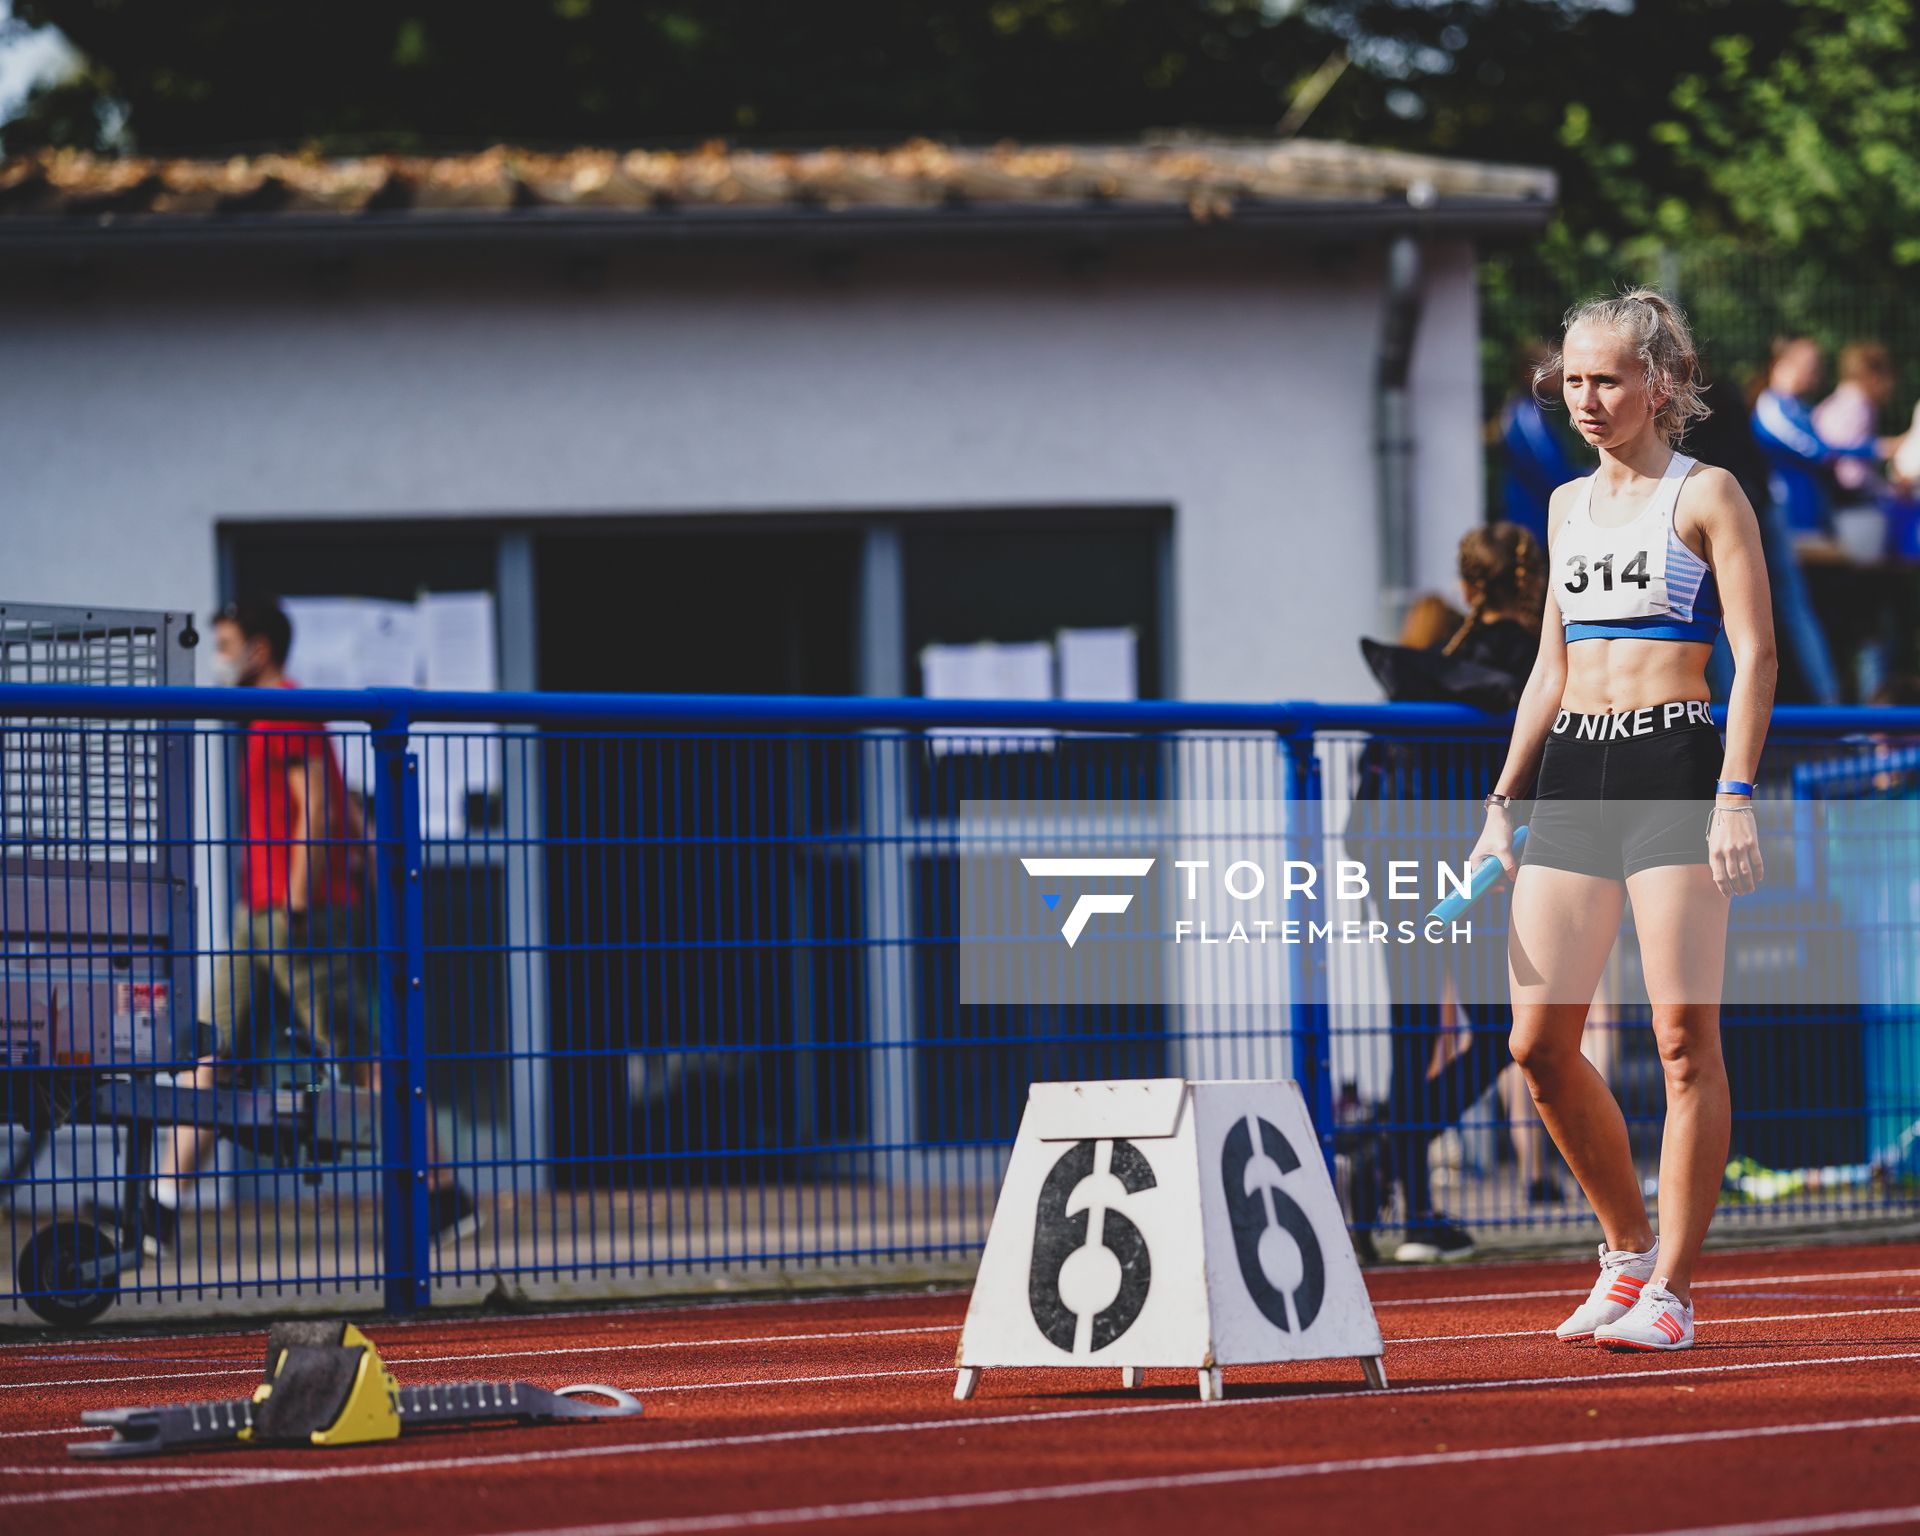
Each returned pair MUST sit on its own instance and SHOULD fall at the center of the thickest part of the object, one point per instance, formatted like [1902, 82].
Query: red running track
[1799, 1405]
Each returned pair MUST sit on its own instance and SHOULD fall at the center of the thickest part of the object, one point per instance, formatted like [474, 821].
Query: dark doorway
[702, 888]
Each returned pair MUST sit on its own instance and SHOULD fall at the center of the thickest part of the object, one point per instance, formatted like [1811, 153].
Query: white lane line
[104, 1381]
[1803, 1525]
[657, 1314]
[103, 1469]
[77, 1495]
[790, 1381]
[508, 1354]
[1000, 1498]
[788, 1338]
[650, 1344]
[656, 1389]
[1702, 1322]
[871, 1333]
[972, 1422]
[1699, 1285]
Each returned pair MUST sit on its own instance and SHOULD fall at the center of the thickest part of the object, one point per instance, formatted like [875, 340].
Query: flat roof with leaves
[1191, 181]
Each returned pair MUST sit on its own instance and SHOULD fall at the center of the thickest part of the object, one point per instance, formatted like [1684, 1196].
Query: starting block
[1161, 1223]
[326, 1385]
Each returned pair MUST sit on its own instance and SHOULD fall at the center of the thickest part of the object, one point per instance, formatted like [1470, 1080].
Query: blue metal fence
[603, 988]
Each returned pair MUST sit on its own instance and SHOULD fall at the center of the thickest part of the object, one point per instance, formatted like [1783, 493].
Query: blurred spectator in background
[1795, 450]
[1906, 458]
[1514, 655]
[1798, 520]
[1903, 492]
[1794, 513]
[1534, 459]
[1430, 623]
[1503, 576]
[1869, 516]
[1438, 1074]
[300, 936]
[1724, 438]
[1849, 418]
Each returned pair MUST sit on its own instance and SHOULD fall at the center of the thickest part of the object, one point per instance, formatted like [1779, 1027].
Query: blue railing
[670, 986]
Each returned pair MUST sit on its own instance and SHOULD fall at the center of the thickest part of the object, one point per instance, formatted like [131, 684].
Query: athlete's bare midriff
[1605, 676]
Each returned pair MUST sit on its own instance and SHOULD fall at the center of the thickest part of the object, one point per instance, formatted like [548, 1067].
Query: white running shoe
[1622, 1273]
[1659, 1320]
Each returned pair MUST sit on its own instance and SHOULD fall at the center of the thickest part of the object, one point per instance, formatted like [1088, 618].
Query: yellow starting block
[337, 1393]
[326, 1385]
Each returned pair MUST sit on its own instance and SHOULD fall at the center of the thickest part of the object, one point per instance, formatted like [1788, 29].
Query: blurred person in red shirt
[301, 937]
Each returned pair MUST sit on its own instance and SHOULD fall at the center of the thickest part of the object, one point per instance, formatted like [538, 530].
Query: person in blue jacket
[1796, 509]
[1796, 453]
[1534, 463]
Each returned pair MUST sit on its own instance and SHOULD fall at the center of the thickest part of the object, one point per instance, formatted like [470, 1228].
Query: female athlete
[1637, 799]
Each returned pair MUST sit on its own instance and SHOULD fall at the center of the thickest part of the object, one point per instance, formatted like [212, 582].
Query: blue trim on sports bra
[1658, 627]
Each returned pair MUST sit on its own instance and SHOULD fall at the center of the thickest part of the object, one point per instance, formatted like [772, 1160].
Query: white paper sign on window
[1099, 664]
[988, 670]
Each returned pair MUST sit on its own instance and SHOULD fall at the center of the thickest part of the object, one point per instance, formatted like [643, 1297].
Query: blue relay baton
[1479, 883]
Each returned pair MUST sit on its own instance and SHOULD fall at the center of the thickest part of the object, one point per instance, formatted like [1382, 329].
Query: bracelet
[1745, 810]
[1732, 787]
[1503, 801]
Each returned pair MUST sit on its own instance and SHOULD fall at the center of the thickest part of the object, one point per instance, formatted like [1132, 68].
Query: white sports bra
[1637, 581]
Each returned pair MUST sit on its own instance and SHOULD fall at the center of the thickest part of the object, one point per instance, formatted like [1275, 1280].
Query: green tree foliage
[1573, 84]
[199, 75]
[1818, 145]
[1777, 187]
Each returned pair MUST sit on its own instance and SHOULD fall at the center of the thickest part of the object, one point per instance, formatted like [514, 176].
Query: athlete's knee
[1541, 1055]
[1689, 1051]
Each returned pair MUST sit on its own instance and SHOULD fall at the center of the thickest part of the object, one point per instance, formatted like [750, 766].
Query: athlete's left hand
[1733, 851]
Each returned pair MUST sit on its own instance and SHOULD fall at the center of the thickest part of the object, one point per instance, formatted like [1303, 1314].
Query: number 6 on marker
[1251, 1211]
[1058, 1235]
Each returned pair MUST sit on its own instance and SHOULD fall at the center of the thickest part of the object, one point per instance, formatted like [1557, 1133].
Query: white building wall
[139, 409]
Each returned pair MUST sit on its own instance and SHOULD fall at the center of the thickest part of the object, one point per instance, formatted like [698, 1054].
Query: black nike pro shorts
[1625, 791]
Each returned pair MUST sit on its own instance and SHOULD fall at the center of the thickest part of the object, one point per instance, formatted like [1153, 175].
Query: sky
[26, 58]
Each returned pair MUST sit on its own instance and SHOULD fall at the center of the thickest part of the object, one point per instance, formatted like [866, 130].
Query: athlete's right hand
[1733, 850]
[1496, 842]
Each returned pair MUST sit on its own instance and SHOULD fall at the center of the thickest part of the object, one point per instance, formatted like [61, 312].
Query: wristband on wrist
[1732, 787]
